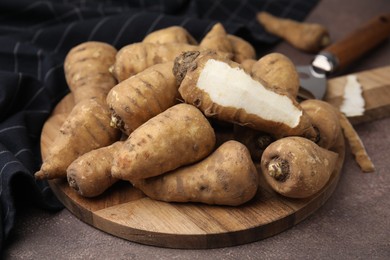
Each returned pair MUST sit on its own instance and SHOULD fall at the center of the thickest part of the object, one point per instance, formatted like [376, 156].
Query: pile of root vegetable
[184, 121]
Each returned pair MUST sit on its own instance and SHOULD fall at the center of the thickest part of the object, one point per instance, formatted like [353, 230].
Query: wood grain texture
[360, 41]
[126, 212]
[376, 93]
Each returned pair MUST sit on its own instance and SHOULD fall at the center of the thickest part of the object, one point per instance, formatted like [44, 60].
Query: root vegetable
[242, 50]
[308, 37]
[137, 99]
[86, 69]
[178, 136]
[297, 167]
[172, 34]
[255, 141]
[357, 147]
[226, 177]
[136, 57]
[222, 89]
[278, 71]
[90, 174]
[87, 127]
[324, 118]
[247, 65]
[217, 39]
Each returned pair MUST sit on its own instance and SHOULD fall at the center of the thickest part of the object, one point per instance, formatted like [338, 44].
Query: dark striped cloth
[35, 36]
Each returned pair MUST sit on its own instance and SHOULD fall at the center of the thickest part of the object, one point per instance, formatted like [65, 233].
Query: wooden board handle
[360, 41]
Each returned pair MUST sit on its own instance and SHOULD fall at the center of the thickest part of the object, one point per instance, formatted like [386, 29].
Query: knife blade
[341, 54]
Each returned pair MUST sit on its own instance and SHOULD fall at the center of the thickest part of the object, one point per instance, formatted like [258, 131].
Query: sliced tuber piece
[178, 136]
[226, 177]
[222, 89]
[308, 37]
[296, 167]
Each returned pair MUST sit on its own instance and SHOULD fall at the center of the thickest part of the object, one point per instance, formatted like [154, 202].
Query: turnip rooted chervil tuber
[297, 167]
[137, 99]
[222, 89]
[178, 136]
[226, 177]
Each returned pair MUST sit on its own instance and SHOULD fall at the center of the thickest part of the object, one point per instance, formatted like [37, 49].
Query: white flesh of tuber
[233, 87]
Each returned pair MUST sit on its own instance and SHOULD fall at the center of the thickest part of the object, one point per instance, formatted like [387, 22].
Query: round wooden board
[125, 212]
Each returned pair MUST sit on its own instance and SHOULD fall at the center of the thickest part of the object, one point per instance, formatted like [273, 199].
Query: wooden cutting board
[125, 212]
[376, 93]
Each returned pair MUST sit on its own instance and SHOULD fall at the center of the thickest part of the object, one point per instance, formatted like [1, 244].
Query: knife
[339, 55]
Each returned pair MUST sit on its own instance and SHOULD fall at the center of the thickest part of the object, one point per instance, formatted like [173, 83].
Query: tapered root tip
[40, 175]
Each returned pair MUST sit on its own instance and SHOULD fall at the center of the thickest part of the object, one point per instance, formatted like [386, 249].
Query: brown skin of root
[357, 147]
[279, 72]
[186, 61]
[173, 34]
[242, 50]
[87, 127]
[247, 65]
[217, 39]
[183, 63]
[90, 174]
[225, 177]
[136, 57]
[137, 99]
[86, 68]
[324, 118]
[308, 37]
[178, 136]
[296, 167]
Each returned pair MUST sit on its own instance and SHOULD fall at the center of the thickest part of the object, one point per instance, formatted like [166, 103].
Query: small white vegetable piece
[353, 102]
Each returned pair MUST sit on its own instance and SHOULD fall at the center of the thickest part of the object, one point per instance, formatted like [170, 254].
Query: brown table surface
[353, 224]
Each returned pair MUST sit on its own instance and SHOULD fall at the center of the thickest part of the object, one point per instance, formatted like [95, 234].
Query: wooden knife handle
[360, 41]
